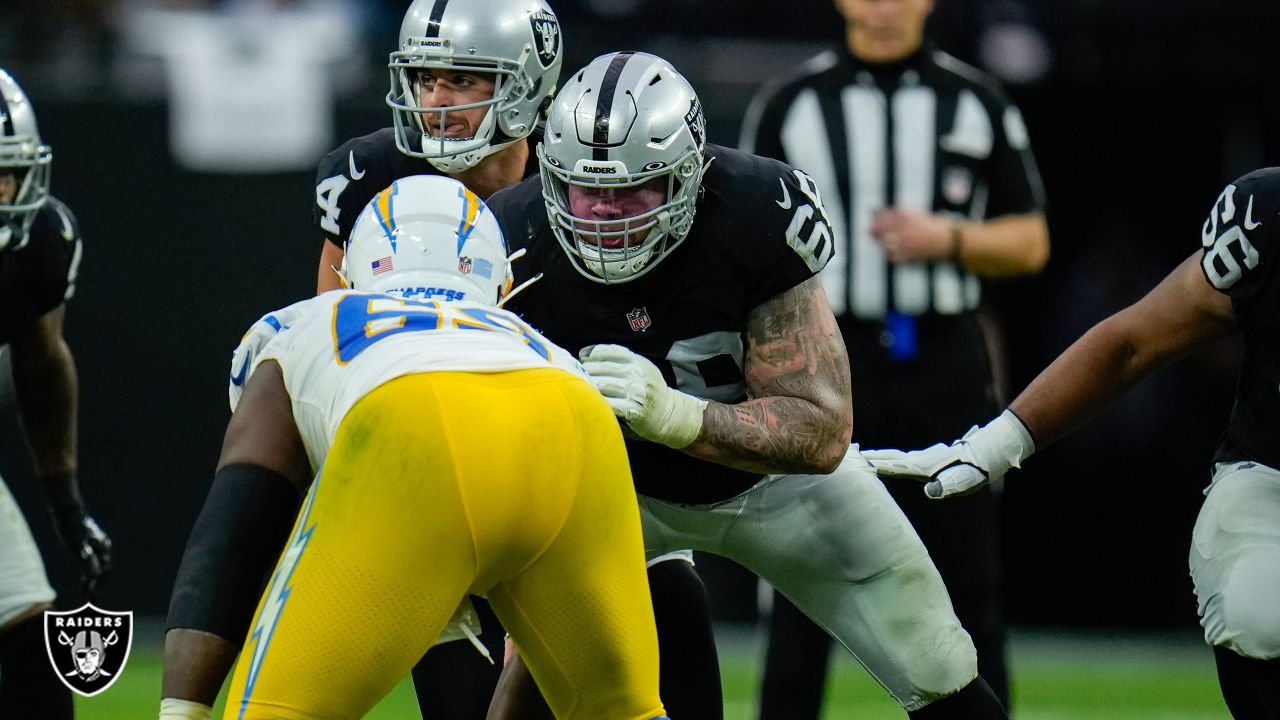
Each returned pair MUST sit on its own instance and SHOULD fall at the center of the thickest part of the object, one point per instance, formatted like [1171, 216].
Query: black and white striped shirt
[926, 133]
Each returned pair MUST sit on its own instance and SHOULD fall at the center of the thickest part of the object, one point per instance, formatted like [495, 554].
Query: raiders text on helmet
[518, 41]
[622, 121]
[26, 158]
[427, 237]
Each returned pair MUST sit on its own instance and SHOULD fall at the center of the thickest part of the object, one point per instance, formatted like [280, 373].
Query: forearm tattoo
[799, 417]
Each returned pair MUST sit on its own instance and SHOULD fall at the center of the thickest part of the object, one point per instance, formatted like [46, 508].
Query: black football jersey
[759, 230]
[349, 176]
[1241, 240]
[41, 275]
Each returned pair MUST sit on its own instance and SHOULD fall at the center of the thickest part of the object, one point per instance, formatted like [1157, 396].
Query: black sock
[795, 666]
[690, 682]
[29, 687]
[975, 702]
[453, 681]
[1250, 687]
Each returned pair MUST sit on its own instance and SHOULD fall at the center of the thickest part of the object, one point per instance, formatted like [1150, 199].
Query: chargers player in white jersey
[459, 452]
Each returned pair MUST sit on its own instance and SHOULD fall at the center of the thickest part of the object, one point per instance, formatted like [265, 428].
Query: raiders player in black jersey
[1231, 286]
[472, 118]
[685, 275]
[39, 258]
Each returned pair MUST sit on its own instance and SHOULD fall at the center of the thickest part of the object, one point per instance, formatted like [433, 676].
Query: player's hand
[79, 532]
[637, 392]
[982, 455]
[259, 334]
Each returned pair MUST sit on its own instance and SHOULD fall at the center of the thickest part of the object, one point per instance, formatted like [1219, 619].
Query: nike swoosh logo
[351, 160]
[785, 202]
[238, 378]
[1249, 224]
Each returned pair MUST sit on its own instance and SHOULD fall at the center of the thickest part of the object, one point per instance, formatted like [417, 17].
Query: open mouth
[451, 131]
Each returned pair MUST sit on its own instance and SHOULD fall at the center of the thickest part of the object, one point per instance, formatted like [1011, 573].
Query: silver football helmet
[518, 41]
[26, 159]
[625, 120]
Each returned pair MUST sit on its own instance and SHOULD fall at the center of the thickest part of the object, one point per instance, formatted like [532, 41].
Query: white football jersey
[339, 346]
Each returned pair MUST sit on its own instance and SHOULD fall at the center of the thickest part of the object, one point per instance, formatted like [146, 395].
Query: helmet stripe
[437, 13]
[384, 209]
[471, 209]
[604, 104]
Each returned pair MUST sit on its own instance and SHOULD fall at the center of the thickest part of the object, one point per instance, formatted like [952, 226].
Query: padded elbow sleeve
[234, 544]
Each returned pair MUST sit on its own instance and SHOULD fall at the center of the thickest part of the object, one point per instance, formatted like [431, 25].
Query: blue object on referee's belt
[901, 332]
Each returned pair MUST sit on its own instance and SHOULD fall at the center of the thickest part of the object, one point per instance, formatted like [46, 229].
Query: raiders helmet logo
[546, 36]
[697, 122]
[88, 647]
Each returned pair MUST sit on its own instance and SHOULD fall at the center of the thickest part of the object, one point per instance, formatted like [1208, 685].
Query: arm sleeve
[1015, 182]
[1241, 237]
[787, 245]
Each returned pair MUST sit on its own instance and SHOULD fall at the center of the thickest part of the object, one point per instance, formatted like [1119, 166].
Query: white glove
[984, 454]
[637, 392]
[260, 333]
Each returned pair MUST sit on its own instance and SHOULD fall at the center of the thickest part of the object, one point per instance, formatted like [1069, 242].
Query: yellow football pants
[439, 485]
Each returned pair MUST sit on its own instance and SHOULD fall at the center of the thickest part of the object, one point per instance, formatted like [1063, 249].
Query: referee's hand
[910, 235]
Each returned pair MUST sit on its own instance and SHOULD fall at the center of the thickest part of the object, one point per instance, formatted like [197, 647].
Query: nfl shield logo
[464, 264]
[88, 647]
[639, 319]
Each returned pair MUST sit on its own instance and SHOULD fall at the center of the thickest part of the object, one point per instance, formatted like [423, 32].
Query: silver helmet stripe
[604, 104]
[433, 23]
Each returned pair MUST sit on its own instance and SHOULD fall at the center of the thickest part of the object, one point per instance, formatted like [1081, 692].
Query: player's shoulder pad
[1241, 236]
[762, 206]
[520, 211]
[353, 157]
[266, 329]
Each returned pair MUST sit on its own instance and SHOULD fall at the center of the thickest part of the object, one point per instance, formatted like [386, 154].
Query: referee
[927, 175]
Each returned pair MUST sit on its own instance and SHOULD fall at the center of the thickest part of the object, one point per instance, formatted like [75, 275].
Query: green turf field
[1056, 676]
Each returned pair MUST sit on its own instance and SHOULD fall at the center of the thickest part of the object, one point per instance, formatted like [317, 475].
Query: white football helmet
[518, 41]
[623, 120]
[23, 155]
[428, 237]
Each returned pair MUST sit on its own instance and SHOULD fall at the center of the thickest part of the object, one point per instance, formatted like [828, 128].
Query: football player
[1230, 286]
[685, 275]
[39, 259]
[469, 85]
[459, 451]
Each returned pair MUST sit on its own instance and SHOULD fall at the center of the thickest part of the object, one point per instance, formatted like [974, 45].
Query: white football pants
[840, 549]
[22, 579]
[1235, 560]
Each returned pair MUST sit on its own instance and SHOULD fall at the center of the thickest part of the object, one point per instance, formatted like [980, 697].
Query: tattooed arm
[800, 415]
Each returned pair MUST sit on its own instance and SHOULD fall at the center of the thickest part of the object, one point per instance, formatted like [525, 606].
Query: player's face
[8, 187]
[448, 88]
[607, 203]
[884, 30]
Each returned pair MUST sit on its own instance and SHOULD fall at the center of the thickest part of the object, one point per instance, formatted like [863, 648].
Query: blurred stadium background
[186, 134]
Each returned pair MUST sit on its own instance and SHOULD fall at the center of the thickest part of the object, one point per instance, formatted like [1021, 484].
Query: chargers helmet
[428, 237]
[26, 158]
[518, 41]
[620, 122]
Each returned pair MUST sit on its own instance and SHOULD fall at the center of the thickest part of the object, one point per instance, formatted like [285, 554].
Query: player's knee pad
[233, 545]
[1244, 622]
